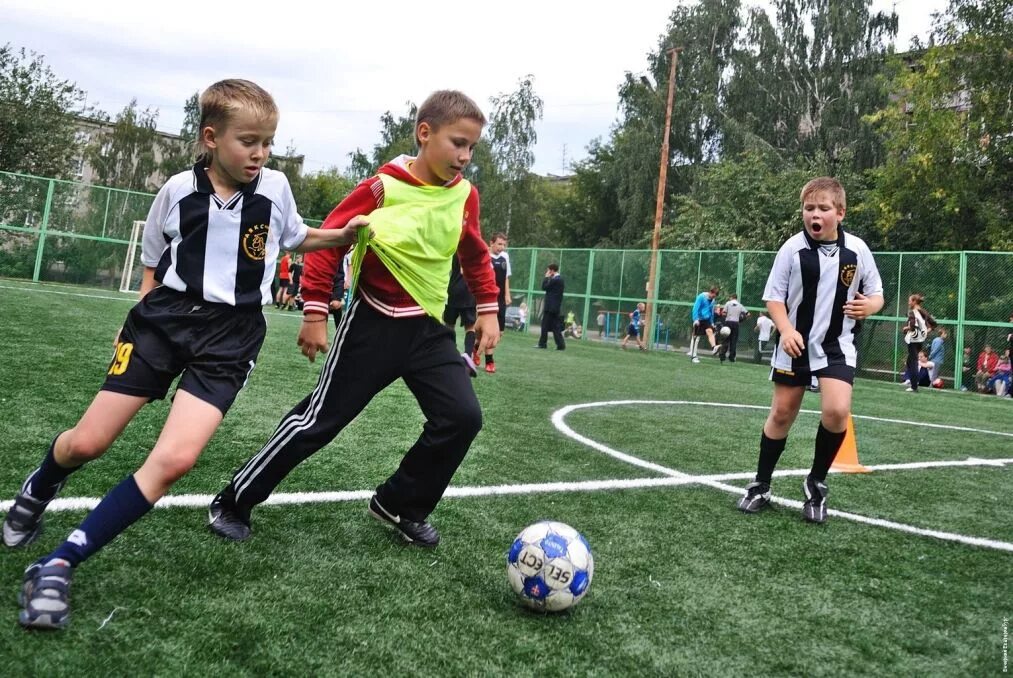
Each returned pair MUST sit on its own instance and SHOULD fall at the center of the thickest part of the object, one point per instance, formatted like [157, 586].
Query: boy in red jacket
[420, 212]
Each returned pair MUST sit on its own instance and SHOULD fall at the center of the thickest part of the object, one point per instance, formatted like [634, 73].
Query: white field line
[281, 498]
[132, 298]
[558, 421]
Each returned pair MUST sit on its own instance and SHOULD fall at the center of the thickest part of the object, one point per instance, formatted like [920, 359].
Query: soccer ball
[725, 331]
[550, 566]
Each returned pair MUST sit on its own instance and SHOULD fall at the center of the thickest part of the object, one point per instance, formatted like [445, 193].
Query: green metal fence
[969, 293]
[61, 231]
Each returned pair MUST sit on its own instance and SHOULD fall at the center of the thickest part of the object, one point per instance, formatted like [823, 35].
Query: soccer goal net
[133, 271]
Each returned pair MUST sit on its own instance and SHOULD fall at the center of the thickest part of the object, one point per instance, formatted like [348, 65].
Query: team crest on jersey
[848, 274]
[255, 242]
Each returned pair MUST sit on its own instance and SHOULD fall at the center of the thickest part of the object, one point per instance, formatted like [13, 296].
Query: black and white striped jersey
[814, 280]
[221, 251]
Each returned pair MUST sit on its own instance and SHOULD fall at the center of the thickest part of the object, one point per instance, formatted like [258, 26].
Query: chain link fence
[62, 231]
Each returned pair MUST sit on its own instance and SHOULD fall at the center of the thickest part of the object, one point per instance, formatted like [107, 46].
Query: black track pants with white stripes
[369, 352]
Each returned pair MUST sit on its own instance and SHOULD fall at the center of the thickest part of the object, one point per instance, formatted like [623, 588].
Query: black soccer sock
[770, 453]
[489, 359]
[44, 482]
[121, 508]
[469, 342]
[827, 445]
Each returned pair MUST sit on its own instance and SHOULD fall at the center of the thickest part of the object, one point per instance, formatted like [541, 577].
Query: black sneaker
[757, 497]
[23, 523]
[226, 520]
[814, 509]
[421, 534]
[45, 594]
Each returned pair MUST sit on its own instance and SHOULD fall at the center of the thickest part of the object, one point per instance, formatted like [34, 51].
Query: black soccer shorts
[844, 373]
[167, 334]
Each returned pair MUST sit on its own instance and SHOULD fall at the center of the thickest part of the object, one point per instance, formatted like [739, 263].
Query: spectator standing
[553, 286]
[915, 332]
[764, 326]
[734, 312]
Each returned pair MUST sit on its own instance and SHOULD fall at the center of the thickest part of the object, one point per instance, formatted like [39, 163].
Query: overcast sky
[334, 70]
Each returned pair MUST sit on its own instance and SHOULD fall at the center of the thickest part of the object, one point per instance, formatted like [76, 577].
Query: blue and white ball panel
[554, 546]
[535, 533]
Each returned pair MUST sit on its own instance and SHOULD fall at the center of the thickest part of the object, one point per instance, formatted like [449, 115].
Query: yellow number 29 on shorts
[121, 358]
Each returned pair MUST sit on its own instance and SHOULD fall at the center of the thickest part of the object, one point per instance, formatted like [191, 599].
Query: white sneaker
[695, 359]
[909, 389]
[906, 382]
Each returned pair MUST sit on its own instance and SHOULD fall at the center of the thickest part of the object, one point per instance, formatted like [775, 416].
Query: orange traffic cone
[846, 460]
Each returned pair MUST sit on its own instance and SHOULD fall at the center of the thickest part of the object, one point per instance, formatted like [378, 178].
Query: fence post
[587, 296]
[531, 289]
[896, 312]
[105, 219]
[739, 269]
[958, 357]
[42, 231]
[652, 331]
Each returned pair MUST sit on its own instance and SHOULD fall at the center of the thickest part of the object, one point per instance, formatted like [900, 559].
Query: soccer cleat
[714, 351]
[695, 360]
[421, 534]
[226, 520]
[23, 523]
[814, 509]
[45, 595]
[490, 368]
[756, 498]
[469, 364]
[909, 390]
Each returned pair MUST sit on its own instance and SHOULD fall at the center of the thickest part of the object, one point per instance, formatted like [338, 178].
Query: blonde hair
[220, 102]
[829, 185]
[445, 107]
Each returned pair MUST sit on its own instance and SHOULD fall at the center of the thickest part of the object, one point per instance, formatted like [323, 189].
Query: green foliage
[37, 130]
[320, 192]
[397, 137]
[180, 154]
[948, 177]
[123, 156]
[508, 196]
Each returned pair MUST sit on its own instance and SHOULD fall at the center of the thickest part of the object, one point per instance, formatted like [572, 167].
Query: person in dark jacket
[552, 285]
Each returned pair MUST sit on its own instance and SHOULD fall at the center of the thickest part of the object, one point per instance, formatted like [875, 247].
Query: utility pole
[659, 208]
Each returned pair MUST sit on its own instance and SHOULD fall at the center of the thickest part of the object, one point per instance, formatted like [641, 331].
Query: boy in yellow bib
[420, 212]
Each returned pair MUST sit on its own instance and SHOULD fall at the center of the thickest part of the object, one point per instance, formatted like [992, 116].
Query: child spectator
[937, 352]
[999, 382]
[988, 361]
[915, 332]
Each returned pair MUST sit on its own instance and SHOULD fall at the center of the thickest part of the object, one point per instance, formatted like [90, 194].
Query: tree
[37, 130]
[512, 137]
[123, 156]
[803, 83]
[397, 137]
[180, 154]
[948, 178]
[320, 192]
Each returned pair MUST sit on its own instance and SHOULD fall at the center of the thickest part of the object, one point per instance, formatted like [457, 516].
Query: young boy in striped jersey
[210, 245]
[421, 211]
[822, 284]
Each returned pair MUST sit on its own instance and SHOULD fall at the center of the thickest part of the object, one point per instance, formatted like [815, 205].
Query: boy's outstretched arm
[321, 264]
[320, 238]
